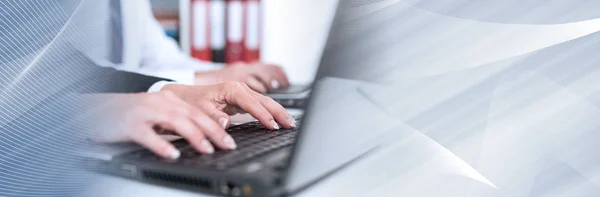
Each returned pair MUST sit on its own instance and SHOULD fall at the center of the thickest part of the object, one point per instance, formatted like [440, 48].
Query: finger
[275, 84]
[256, 85]
[179, 117]
[215, 132]
[148, 138]
[265, 75]
[221, 118]
[277, 111]
[281, 76]
[215, 122]
[219, 137]
[238, 94]
[217, 115]
[186, 128]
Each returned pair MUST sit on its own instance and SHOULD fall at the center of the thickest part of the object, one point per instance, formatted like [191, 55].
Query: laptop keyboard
[252, 139]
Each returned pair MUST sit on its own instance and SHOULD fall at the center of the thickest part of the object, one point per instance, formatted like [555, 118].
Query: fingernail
[291, 121]
[275, 125]
[274, 84]
[174, 153]
[229, 142]
[223, 122]
[207, 147]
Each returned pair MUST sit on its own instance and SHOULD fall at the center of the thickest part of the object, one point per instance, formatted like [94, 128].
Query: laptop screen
[332, 134]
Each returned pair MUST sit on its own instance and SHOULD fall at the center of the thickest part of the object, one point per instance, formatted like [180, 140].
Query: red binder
[234, 50]
[200, 34]
[253, 30]
[218, 38]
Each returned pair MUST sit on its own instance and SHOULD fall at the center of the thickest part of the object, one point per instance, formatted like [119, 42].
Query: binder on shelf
[234, 49]
[200, 34]
[253, 30]
[217, 30]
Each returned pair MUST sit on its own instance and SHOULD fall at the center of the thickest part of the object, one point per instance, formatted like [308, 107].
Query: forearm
[110, 80]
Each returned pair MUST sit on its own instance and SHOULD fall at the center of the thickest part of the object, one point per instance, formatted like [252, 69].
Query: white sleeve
[156, 87]
[181, 76]
[161, 51]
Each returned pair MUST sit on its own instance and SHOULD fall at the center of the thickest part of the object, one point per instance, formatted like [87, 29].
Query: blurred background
[291, 33]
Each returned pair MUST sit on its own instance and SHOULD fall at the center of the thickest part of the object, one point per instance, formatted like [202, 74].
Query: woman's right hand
[142, 117]
[199, 114]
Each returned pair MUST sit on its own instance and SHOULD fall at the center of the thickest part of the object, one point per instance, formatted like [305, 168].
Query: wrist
[158, 86]
[173, 87]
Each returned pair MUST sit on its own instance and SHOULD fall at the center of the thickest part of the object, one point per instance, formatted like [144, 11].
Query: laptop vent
[195, 182]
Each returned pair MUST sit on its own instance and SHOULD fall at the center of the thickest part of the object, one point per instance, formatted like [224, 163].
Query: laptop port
[225, 188]
[247, 190]
[129, 170]
[236, 191]
[178, 179]
[230, 189]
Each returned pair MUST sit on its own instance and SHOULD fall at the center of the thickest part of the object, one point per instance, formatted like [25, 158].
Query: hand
[260, 77]
[142, 117]
[229, 98]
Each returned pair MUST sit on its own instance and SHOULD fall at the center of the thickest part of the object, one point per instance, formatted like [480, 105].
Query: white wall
[294, 35]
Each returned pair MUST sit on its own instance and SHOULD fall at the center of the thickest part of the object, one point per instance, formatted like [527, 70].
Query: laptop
[330, 136]
[266, 163]
[294, 96]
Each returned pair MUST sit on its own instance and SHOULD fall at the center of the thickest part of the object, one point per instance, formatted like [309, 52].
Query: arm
[114, 81]
[89, 77]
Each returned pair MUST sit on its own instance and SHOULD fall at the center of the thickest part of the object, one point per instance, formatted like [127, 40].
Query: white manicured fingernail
[207, 147]
[274, 84]
[292, 121]
[275, 125]
[223, 122]
[174, 153]
[229, 142]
